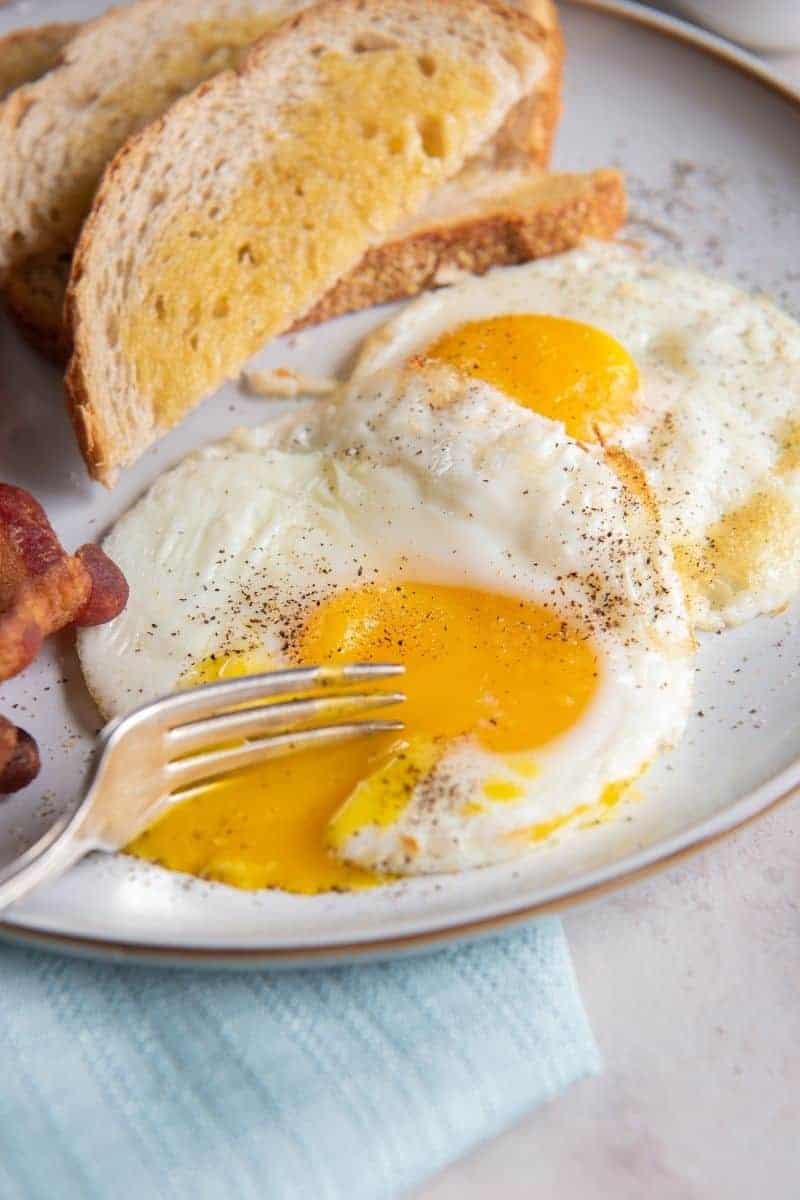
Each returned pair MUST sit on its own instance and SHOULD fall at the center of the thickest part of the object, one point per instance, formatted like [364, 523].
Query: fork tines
[198, 718]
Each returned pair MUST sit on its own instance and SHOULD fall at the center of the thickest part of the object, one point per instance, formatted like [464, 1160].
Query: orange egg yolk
[562, 369]
[507, 672]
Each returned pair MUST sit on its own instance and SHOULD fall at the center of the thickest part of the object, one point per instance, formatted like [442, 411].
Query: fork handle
[54, 853]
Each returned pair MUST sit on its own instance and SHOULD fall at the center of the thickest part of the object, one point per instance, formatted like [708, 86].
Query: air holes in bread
[434, 140]
[366, 42]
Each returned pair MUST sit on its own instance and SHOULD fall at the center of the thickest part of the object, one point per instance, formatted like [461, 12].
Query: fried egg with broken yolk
[698, 382]
[415, 519]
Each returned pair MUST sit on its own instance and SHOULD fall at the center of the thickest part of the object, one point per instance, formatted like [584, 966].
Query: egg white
[416, 476]
[716, 427]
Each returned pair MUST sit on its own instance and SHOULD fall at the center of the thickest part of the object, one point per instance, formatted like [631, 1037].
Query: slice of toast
[485, 217]
[225, 221]
[57, 136]
[493, 218]
[25, 54]
[118, 72]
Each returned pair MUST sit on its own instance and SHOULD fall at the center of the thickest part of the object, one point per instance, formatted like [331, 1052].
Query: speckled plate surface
[711, 146]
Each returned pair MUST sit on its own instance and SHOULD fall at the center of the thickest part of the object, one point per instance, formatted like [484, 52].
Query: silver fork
[149, 760]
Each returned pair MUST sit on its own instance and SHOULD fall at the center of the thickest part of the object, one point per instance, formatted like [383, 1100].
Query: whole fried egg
[418, 518]
[698, 381]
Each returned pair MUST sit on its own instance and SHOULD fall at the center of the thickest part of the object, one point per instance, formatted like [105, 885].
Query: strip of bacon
[42, 589]
[108, 592]
[19, 758]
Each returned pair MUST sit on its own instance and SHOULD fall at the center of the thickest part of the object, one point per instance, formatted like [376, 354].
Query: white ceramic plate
[712, 148]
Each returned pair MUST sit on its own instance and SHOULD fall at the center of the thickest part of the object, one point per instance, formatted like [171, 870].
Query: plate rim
[629, 870]
[699, 38]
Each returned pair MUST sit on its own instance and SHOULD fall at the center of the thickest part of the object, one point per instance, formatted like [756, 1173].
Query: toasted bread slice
[225, 221]
[485, 218]
[34, 294]
[25, 54]
[57, 136]
[117, 73]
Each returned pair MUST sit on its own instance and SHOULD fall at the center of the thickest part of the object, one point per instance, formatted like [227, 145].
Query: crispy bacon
[108, 593]
[42, 589]
[19, 757]
[41, 605]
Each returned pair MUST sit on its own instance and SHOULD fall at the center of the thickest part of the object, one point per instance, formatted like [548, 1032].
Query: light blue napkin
[356, 1082]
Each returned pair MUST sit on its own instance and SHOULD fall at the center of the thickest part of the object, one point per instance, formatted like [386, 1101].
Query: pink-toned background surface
[691, 986]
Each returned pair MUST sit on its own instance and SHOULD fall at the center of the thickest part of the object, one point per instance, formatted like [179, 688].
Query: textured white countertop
[691, 982]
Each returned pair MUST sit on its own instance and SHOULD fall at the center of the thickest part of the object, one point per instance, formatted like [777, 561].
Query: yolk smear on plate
[507, 672]
[562, 369]
[610, 796]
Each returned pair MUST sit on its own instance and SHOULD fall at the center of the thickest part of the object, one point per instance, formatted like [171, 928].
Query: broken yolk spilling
[508, 672]
[561, 369]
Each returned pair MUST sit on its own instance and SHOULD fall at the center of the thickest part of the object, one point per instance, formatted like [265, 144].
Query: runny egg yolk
[561, 369]
[507, 672]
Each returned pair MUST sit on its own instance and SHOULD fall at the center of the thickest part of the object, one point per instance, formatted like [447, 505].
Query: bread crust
[25, 54]
[540, 114]
[34, 296]
[546, 225]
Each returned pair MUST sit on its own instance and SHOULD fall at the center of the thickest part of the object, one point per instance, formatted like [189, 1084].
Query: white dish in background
[714, 175]
[759, 24]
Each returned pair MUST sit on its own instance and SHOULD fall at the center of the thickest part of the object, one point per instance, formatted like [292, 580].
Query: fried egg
[419, 518]
[697, 381]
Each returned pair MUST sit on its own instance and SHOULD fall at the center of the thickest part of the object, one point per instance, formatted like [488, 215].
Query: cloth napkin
[355, 1082]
